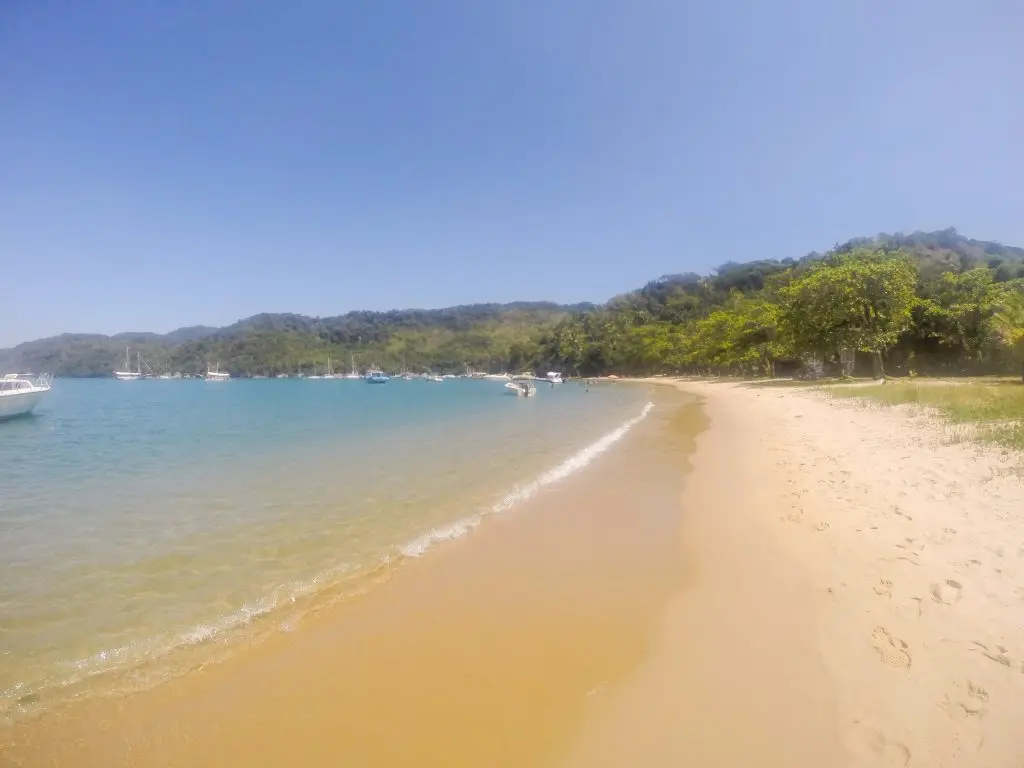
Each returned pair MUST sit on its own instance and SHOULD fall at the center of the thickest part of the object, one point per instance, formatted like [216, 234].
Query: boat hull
[19, 404]
[519, 391]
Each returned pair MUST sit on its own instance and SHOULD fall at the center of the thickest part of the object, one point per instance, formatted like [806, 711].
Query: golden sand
[485, 652]
[840, 586]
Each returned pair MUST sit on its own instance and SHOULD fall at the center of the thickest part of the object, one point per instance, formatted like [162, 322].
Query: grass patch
[995, 409]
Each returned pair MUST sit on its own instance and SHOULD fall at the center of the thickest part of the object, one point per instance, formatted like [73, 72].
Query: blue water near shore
[146, 526]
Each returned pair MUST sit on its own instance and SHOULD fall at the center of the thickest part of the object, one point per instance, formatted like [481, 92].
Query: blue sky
[170, 163]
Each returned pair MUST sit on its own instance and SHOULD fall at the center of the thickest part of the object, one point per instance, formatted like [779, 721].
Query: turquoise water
[147, 527]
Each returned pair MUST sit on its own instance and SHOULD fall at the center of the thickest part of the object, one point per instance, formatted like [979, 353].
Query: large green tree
[857, 300]
[1009, 325]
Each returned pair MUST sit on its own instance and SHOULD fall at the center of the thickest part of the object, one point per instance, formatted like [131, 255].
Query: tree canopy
[926, 302]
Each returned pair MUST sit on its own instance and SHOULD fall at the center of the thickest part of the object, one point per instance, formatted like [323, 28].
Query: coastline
[897, 636]
[482, 651]
[771, 578]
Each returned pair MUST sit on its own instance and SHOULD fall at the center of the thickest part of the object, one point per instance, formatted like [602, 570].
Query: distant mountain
[311, 339]
[483, 336]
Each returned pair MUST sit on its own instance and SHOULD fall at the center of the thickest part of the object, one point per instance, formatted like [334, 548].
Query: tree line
[925, 303]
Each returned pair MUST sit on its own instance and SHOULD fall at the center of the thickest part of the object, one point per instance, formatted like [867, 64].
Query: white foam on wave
[521, 493]
[154, 647]
[455, 530]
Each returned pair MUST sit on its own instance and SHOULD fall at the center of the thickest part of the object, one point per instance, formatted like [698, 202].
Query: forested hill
[924, 302]
[480, 335]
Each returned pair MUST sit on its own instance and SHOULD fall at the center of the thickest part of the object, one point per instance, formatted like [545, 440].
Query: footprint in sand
[823, 526]
[900, 513]
[974, 704]
[879, 750]
[891, 650]
[997, 653]
[883, 588]
[795, 515]
[948, 593]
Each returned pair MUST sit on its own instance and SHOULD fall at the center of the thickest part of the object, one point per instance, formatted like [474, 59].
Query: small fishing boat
[374, 376]
[520, 388]
[20, 393]
[434, 377]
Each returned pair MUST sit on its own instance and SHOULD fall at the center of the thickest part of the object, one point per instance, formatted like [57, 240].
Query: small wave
[521, 493]
[342, 579]
[455, 530]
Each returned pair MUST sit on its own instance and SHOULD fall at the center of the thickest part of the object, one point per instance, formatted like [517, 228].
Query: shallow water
[149, 526]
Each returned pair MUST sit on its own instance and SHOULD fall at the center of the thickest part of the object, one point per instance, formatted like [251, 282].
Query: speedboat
[433, 377]
[377, 377]
[20, 393]
[554, 377]
[520, 388]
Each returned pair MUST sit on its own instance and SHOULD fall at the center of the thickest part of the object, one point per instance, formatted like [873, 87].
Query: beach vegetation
[987, 410]
[858, 300]
[920, 304]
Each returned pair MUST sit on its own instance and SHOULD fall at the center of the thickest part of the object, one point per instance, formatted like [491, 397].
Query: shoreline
[911, 550]
[479, 652]
[770, 578]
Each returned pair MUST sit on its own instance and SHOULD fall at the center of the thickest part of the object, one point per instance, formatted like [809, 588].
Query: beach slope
[856, 597]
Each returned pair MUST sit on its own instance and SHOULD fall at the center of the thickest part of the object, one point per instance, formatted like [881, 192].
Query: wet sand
[486, 651]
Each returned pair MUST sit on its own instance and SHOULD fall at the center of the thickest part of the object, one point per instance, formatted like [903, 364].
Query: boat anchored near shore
[20, 393]
[520, 388]
[128, 374]
[216, 374]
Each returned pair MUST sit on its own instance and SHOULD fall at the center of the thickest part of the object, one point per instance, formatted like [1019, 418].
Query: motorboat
[374, 376]
[520, 388]
[434, 377]
[20, 393]
[554, 377]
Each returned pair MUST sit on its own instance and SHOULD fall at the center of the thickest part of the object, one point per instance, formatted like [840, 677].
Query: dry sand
[859, 598]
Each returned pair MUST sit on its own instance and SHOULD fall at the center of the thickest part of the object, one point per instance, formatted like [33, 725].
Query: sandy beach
[857, 597]
[839, 586]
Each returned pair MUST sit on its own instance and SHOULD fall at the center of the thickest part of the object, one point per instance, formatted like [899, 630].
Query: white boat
[433, 377]
[497, 376]
[354, 374]
[128, 374]
[216, 374]
[20, 393]
[376, 376]
[554, 377]
[520, 388]
[330, 371]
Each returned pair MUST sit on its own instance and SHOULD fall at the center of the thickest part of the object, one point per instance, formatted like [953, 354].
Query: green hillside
[928, 302]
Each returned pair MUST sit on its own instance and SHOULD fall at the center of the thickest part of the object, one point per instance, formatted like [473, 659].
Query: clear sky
[173, 162]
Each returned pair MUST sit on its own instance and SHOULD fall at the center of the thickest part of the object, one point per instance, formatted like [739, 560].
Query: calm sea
[147, 527]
